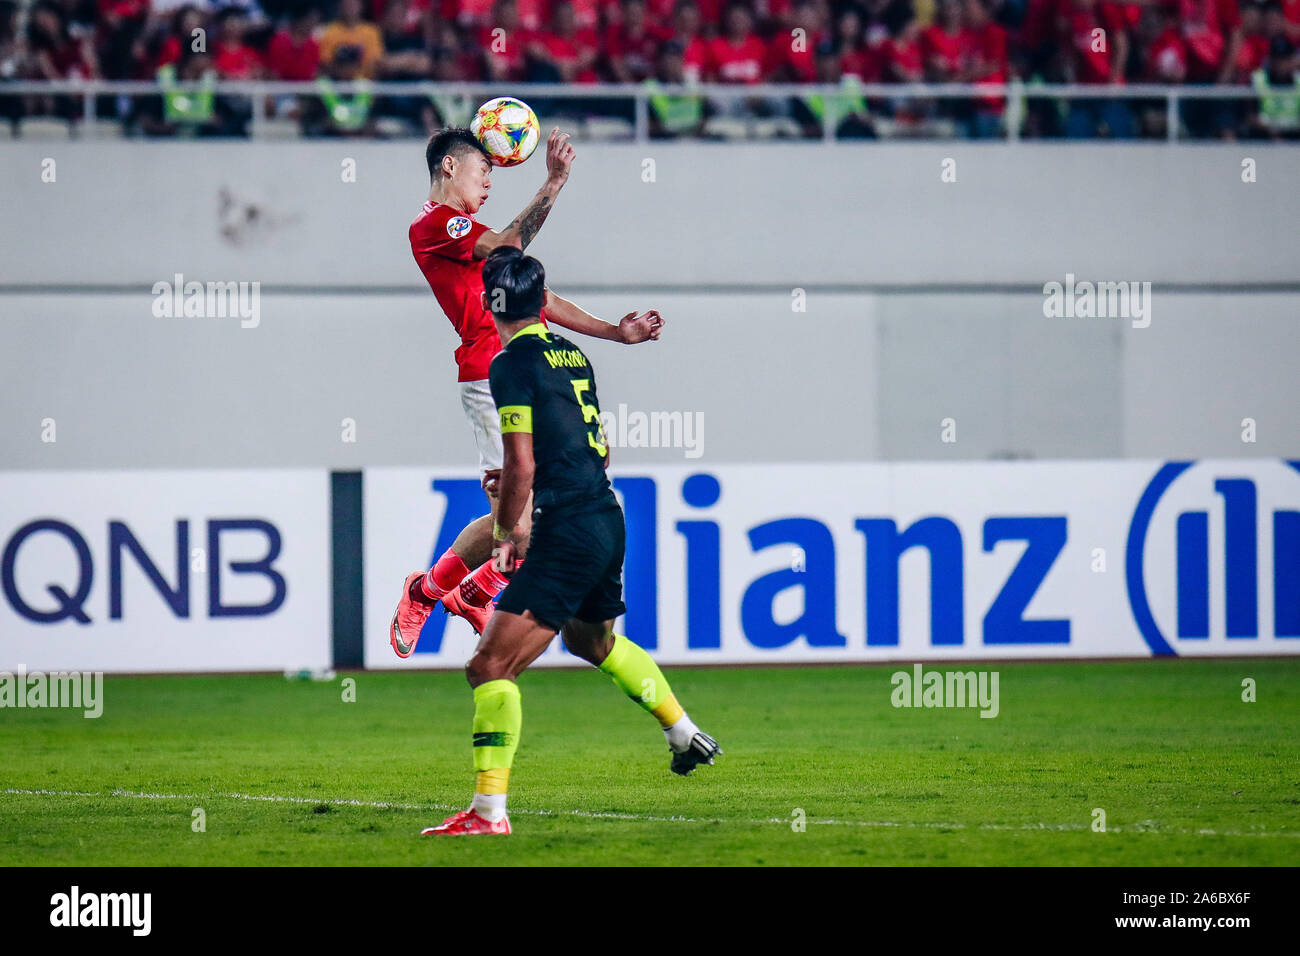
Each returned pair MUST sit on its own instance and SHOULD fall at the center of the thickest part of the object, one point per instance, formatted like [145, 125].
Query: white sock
[489, 805]
[681, 733]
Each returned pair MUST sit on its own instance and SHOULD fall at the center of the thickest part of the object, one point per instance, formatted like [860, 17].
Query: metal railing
[1016, 94]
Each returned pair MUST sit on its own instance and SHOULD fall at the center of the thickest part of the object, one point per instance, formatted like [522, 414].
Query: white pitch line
[650, 818]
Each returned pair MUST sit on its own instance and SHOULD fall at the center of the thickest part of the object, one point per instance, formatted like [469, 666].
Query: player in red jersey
[449, 246]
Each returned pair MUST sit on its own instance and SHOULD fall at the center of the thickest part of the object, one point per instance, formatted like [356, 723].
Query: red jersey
[743, 63]
[637, 52]
[442, 241]
[1166, 57]
[291, 59]
[237, 61]
[864, 63]
[947, 52]
[903, 59]
[532, 13]
[695, 58]
[799, 66]
[569, 49]
[1079, 23]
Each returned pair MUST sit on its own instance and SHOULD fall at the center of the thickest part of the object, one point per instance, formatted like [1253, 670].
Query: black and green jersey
[542, 383]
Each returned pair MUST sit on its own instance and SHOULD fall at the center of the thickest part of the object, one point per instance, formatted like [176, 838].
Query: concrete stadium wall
[923, 301]
[777, 215]
[856, 378]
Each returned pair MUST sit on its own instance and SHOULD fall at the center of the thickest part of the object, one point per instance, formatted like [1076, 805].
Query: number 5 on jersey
[590, 413]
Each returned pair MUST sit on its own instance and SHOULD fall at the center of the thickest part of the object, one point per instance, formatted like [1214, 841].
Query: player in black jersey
[545, 392]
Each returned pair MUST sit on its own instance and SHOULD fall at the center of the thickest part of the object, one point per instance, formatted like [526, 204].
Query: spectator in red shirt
[988, 63]
[739, 55]
[857, 58]
[1094, 41]
[185, 22]
[904, 62]
[773, 16]
[503, 42]
[452, 63]
[694, 48]
[294, 53]
[1254, 43]
[235, 59]
[791, 57]
[477, 13]
[564, 53]
[946, 44]
[1212, 33]
[587, 13]
[1096, 49]
[1212, 29]
[632, 46]
[55, 53]
[1165, 58]
[1282, 20]
[405, 57]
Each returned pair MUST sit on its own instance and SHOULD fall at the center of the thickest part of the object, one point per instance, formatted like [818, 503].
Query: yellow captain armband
[516, 418]
[499, 533]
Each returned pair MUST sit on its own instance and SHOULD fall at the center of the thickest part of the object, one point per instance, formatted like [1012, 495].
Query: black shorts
[573, 568]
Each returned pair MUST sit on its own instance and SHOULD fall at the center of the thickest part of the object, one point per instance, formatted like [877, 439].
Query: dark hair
[450, 142]
[518, 279]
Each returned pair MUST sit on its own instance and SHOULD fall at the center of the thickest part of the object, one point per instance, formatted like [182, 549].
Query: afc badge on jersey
[457, 226]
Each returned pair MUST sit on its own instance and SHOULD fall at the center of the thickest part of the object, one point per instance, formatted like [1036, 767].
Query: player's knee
[591, 642]
[482, 668]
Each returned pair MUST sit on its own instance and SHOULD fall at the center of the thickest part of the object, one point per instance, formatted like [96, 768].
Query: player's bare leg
[637, 675]
[509, 644]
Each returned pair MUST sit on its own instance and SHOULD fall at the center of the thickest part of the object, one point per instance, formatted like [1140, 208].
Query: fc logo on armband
[516, 418]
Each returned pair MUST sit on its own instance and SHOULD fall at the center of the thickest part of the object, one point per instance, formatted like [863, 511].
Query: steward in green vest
[847, 112]
[672, 115]
[1279, 112]
[187, 106]
[349, 114]
[346, 114]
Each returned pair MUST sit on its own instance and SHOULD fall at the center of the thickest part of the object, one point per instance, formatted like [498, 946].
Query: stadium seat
[776, 127]
[100, 129]
[44, 127]
[279, 129]
[607, 128]
[726, 127]
[390, 127]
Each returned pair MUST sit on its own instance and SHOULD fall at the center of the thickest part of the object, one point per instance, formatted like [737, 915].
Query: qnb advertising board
[791, 563]
[164, 571]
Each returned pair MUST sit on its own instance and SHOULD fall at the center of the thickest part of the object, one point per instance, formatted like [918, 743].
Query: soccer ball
[508, 130]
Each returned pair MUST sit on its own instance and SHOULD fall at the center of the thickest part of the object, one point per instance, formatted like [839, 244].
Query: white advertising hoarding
[862, 562]
[164, 570]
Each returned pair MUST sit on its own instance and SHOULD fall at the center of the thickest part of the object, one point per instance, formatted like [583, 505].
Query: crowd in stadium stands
[499, 42]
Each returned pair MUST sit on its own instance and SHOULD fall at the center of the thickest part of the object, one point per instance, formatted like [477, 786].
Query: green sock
[638, 676]
[498, 716]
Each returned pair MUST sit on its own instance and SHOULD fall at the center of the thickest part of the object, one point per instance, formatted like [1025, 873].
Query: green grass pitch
[1186, 772]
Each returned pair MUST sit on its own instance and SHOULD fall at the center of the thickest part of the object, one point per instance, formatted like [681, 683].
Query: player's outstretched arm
[514, 488]
[559, 158]
[631, 329]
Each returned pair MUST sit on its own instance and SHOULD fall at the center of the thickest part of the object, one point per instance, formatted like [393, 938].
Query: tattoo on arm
[528, 222]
